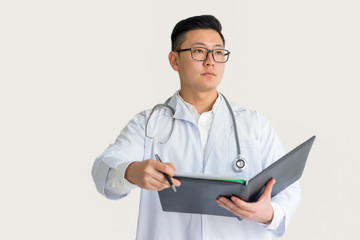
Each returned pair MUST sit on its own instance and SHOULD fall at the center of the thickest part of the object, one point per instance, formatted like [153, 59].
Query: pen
[166, 176]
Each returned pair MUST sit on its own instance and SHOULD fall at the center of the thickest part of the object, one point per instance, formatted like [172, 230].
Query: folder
[198, 193]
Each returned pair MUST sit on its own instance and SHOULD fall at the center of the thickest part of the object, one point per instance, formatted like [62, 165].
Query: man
[202, 141]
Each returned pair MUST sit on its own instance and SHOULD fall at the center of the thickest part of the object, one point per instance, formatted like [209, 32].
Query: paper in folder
[198, 194]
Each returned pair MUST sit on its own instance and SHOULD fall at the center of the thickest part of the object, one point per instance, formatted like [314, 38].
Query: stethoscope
[239, 164]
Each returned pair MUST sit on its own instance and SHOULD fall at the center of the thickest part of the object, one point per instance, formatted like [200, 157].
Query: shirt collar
[193, 109]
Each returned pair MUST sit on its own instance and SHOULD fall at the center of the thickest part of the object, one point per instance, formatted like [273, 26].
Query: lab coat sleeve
[109, 168]
[116, 183]
[285, 202]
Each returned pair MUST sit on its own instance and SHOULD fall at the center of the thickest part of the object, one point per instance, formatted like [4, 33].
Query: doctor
[202, 141]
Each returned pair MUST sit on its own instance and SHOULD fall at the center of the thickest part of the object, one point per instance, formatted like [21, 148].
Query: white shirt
[259, 145]
[203, 120]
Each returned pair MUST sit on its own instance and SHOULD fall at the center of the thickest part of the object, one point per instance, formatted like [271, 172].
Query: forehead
[202, 37]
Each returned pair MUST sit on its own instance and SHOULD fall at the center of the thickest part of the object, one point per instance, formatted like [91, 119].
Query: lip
[208, 74]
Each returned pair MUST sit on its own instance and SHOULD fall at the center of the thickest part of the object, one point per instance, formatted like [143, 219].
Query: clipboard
[198, 194]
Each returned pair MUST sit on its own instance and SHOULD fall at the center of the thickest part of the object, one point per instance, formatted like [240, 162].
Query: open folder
[198, 193]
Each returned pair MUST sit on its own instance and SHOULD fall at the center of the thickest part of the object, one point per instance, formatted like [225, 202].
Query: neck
[202, 101]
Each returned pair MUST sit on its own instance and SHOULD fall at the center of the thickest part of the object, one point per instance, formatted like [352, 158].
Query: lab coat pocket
[250, 151]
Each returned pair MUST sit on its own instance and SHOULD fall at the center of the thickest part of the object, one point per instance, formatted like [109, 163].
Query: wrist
[129, 172]
[268, 222]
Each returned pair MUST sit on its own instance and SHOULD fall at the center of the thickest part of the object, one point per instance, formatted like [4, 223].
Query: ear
[173, 60]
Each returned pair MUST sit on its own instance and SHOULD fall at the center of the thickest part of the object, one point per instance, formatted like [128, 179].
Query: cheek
[189, 69]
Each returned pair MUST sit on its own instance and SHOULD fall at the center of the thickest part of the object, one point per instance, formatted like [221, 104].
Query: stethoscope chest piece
[239, 164]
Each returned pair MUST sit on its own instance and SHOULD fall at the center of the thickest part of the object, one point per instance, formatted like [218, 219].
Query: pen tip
[173, 187]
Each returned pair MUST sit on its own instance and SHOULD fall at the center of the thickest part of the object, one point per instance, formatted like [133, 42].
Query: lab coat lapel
[181, 111]
[219, 130]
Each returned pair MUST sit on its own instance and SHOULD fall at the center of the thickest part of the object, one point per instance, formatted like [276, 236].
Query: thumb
[268, 188]
[167, 168]
[171, 165]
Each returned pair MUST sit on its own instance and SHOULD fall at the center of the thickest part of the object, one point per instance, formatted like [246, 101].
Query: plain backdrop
[73, 73]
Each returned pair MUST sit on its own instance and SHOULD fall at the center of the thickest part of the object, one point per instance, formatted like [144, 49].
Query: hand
[260, 211]
[148, 174]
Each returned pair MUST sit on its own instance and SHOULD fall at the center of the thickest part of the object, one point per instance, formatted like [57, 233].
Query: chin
[208, 87]
[211, 84]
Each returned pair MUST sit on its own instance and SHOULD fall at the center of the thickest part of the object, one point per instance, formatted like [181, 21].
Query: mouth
[208, 74]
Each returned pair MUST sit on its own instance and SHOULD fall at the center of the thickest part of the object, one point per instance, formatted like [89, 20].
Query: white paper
[206, 176]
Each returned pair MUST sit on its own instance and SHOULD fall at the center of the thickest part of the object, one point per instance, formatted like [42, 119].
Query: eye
[198, 50]
[219, 52]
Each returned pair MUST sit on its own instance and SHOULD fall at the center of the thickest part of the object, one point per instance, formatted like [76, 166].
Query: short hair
[194, 23]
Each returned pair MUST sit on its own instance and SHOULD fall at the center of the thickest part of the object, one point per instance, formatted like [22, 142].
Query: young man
[202, 141]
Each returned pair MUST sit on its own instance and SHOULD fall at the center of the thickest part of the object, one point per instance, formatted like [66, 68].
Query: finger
[156, 186]
[225, 203]
[268, 189]
[242, 204]
[231, 206]
[176, 182]
[164, 168]
[172, 166]
[159, 177]
[153, 177]
[156, 182]
[157, 169]
[162, 178]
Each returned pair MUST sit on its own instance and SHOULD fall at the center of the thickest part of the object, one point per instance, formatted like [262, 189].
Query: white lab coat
[260, 146]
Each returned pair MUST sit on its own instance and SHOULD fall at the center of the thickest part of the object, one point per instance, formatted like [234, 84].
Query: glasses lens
[221, 55]
[160, 124]
[199, 53]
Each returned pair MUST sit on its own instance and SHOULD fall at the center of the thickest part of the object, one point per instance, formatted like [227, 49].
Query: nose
[209, 61]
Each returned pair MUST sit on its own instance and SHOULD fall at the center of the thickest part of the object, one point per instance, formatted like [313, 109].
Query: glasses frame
[208, 51]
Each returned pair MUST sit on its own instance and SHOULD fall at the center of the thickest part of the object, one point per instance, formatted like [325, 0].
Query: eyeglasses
[201, 54]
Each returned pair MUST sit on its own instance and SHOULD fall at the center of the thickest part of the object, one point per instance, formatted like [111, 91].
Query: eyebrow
[203, 44]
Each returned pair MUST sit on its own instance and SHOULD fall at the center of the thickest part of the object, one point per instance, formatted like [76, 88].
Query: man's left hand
[260, 211]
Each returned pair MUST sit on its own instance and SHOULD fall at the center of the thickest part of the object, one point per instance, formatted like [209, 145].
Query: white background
[73, 73]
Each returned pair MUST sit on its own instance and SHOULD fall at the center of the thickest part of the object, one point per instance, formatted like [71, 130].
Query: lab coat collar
[182, 109]
[193, 109]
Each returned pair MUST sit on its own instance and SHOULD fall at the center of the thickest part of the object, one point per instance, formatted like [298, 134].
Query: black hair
[194, 23]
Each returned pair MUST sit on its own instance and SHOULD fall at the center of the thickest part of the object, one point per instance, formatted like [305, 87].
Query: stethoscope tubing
[239, 163]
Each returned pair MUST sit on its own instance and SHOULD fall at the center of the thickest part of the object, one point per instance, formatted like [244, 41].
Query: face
[198, 75]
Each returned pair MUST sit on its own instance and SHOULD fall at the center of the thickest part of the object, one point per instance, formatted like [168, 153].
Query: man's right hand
[148, 174]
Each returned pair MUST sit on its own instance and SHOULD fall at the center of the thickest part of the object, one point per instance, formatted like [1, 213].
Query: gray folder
[197, 195]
